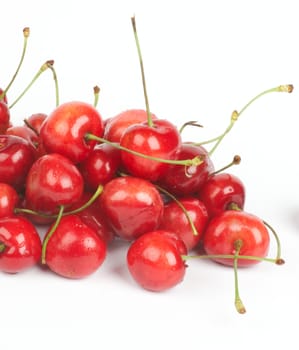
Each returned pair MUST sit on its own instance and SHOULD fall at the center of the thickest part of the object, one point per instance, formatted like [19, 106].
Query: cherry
[221, 191]
[154, 261]
[182, 181]
[232, 226]
[8, 200]
[175, 219]
[132, 206]
[117, 125]
[53, 181]
[100, 166]
[73, 249]
[4, 117]
[64, 130]
[35, 121]
[20, 244]
[24, 132]
[16, 157]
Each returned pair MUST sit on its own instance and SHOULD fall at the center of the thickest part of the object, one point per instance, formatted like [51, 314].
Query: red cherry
[184, 181]
[231, 226]
[20, 244]
[4, 117]
[132, 206]
[24, 132]
[154, 261]
[117, 125]
[16, 157]
[74, 250]
[175, 220]
[220, 191]
[35, 121]
[100, 166]
[64, 130]
[8, 200]
[161, 141]
[53, 181]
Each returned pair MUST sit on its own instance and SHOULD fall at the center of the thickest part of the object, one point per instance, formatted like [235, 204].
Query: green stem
[229, 256]
[50, 64]
[96, 91]
[149, 115]
[50, 233]
[279, 260]
[236, 160]
[235, 115]
[238, 302]
[187, 162]
[2, 247]
[41, 70]
[26, 33]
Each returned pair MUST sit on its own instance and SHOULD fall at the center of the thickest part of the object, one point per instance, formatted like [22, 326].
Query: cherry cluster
[90, 180]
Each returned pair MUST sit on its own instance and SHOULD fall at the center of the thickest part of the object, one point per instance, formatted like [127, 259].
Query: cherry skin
[220, 191]
[100, 166]
[52, 181]
[132, 206]
[184, 181]
[74, 250]
[20, 244]
[64, 130]
[175, 220]
[154, 261]
[161, 141]
[24, 132]
[35, 121]
[117, 125]
[16, 158]
[8, 200]
[224, 230]
[4, 117]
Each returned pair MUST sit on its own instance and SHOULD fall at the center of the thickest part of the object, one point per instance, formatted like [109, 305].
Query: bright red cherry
[24, 132]
[64, 130]
[117, 125]
[132, 206]
[35, 121]
[20, 244]
[155, 262]
[220, 191]
[74, 250]
[162, 140]
[8, 200]
[4, 117]
[232, 226]
[175, 220]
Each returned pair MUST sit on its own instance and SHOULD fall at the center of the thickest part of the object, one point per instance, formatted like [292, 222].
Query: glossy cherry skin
[155, 262]
[53, 180]
[220, 191]
[20, 244]
[24, 132]
[225, 229]
[100, 166]
[64, 130]
[175, 220]
[4, 117]
[161, 141]
[8, 200]
[74, 250]
[117, 125]
[132, 206]
[35, 121]
[16, 157]
[184, 181]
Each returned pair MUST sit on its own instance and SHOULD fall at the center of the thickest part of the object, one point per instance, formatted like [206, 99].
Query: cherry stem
[149, 115]
[75, 211]
[279, 260]
[2, 247]
[195, 232]
[187, 162]
[96, 92]
[235, 115]
[50, 64]
[236, 160]
[44, 67]
[190, 123]
[231, 256]
[26, 33]
[50, 233]
[26, 122]
[238, 302]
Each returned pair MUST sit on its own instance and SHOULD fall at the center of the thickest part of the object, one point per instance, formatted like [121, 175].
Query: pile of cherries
[90, 180]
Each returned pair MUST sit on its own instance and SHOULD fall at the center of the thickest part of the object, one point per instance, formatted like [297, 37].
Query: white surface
[203, 59]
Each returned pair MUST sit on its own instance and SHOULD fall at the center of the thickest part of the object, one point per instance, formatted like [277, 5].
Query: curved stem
[190, 123]
[229, 256]
[149, 115]
[50, 64]
[26, 33]
[236, 160]
[279, 260]
[238, 302]
[41, 70]
[187, 162]
[50, 233]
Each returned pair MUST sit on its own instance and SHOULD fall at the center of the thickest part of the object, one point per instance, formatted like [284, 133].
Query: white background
[203, 59]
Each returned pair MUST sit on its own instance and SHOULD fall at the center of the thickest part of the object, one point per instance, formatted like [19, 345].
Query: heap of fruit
[90, 180]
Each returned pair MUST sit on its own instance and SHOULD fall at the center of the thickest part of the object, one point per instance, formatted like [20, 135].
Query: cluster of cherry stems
[91, 180]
